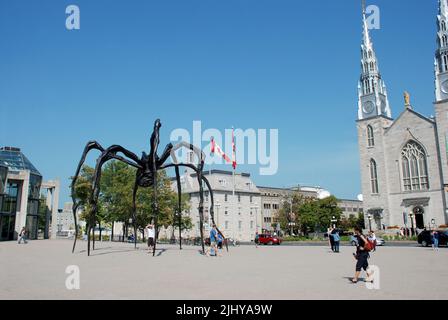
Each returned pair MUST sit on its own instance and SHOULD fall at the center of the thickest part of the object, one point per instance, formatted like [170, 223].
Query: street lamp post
[217, 205]
[333, 221]
[411, 216]
[369, 216]
[433, 222]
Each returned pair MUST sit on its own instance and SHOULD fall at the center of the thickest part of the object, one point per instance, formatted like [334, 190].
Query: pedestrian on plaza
[336, 240]
[22, 236]
[435, 240]
[372, 239]
[257, 237]
[361, 256]
[151, 234]
[220, 241]
[213, 252]
[330, 238]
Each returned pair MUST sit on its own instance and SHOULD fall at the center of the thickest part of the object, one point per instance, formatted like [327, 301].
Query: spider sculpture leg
[134, 212]
[212, 213]
[106, 155]
[201, 209]
[201, 156]
[91, 145]
[155, 207]
[179, 205]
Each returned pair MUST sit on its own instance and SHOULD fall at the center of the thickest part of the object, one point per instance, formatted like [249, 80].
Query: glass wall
[33, 206]
[3, 175]
[8, 211]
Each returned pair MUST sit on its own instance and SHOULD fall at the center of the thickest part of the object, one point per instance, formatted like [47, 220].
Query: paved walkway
[117, 271]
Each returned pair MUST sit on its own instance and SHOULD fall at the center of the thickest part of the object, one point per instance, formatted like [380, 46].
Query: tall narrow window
[414, 166]
[373, 177]
[370, 136]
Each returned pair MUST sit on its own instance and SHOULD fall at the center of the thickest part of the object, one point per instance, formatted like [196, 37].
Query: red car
[268, 239]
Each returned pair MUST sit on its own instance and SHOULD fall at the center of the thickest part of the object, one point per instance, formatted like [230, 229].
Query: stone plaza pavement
[117, 271]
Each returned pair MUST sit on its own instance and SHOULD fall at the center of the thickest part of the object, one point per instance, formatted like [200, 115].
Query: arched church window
[444, 41]
[414, 166]
[373, 177]
[443, 26]
[372, 66]
[370, 54]
[370, 136]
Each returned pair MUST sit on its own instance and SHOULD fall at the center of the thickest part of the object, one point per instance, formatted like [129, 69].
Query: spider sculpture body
[146, 177]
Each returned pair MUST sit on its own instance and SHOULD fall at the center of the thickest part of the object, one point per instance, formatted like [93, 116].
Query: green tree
[115, 201]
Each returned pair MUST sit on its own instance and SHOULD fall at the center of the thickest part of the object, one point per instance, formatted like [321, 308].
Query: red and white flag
[215, 148]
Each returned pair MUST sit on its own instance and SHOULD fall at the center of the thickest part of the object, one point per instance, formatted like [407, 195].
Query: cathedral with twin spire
[404, 164]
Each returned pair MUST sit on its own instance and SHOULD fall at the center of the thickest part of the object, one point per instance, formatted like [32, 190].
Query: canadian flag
[215, 148]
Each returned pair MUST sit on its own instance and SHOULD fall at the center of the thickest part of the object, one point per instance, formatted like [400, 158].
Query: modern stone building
[237, 204]
[20, 188]
[404, 169]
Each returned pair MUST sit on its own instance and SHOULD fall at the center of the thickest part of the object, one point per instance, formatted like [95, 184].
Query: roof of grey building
[15, 160]
[220, 180]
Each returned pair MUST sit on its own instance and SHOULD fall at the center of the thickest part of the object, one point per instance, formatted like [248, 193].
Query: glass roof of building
[15, 160]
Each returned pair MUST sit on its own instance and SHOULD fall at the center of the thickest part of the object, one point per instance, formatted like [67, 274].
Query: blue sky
[284, 64]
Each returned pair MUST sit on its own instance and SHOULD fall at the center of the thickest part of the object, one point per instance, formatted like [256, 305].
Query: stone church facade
[404, 168]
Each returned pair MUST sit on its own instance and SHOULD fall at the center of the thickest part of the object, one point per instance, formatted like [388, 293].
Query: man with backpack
[362, 255]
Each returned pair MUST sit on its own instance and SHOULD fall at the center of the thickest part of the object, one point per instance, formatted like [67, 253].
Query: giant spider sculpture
[147, 167]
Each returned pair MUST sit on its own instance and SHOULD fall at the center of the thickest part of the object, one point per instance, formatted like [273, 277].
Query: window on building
[226, 224]
[414, 166]
[251, 199]
[226, 211]
[240, 225]
[239, 198]
[225, 197]
[373, 177]
[251, 224]
[370, 136]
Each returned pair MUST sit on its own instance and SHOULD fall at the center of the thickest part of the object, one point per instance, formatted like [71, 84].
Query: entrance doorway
[419, 220]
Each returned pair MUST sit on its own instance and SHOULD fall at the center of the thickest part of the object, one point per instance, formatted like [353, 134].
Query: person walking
[330, 238]
[213, 252]
[22, 236]
[257, 237]
[336, 240]
[435, 240]
[372, 239]
[361, 256]
[220, 241]
[151, 234]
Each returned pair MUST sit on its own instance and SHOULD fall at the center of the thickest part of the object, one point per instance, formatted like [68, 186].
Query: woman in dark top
[361, 256]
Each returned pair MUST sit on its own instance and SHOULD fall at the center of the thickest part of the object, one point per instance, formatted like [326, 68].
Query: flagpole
[233, 159]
